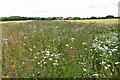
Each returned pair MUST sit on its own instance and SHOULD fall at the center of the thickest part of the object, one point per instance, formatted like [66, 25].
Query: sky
[58, 8]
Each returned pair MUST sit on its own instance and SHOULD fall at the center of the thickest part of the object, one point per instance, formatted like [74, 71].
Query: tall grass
[58, 49]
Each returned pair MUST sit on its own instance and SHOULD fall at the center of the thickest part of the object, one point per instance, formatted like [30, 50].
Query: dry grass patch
[4, 22]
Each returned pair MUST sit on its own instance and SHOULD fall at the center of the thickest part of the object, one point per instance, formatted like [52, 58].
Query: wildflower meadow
[60, 49]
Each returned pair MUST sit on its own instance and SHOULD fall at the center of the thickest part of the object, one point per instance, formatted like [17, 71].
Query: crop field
[105, 21]
[60, 49]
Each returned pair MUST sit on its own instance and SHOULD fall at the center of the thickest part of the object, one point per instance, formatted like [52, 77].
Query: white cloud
[64, 8]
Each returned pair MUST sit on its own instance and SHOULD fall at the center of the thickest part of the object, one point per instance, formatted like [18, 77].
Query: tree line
[16, 18]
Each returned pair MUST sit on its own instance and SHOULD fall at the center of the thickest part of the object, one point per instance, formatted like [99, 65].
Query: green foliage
[16, 18]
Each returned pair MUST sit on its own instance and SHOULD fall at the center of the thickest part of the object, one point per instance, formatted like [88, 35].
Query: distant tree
[76, 18]
[43, 18]
[70, 18]
[83, 18]
[93, 17]
[99, 17]
[87, 18]
[109, 16]
[0, 19]
[49, 18]
[54, 18]
[59, 18]
[103, 17]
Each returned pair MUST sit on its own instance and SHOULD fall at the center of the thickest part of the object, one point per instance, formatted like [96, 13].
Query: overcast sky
[58, 8]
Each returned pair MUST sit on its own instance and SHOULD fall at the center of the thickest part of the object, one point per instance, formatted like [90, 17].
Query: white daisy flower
[95, 75]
